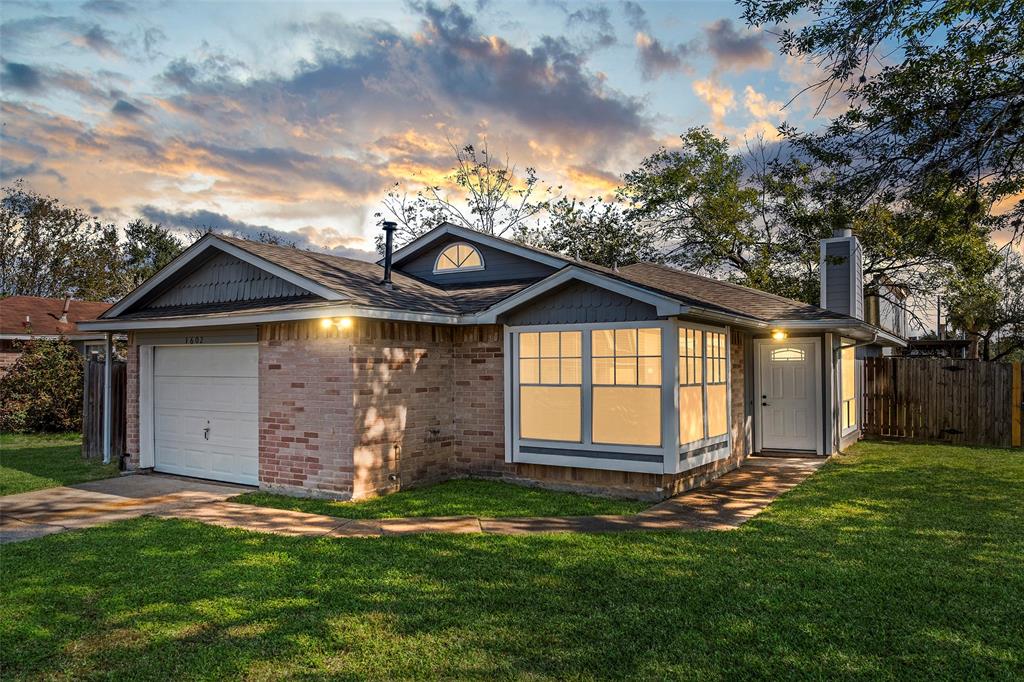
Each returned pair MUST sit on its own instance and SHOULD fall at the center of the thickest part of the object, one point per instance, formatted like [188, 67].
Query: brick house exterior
[387, 387]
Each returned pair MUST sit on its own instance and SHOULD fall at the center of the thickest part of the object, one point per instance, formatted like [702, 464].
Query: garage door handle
[206, 433]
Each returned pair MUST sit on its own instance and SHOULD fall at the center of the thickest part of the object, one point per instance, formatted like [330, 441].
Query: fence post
[1015, 405]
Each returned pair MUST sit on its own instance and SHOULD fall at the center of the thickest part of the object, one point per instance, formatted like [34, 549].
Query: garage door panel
[206, 402]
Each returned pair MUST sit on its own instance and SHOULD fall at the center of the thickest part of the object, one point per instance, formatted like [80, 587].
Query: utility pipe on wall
[108, 380]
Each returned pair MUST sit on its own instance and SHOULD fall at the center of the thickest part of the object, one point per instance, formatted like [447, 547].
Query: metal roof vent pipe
[389, 246]
[64, 312]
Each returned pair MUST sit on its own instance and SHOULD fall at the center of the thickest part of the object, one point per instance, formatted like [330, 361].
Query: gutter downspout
[837, 428]
[108, 379]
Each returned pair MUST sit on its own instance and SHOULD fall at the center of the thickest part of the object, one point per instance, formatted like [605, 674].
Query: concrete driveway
[41, 512]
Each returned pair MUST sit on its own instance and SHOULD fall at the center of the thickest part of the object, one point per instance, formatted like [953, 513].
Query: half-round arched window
[458, 258]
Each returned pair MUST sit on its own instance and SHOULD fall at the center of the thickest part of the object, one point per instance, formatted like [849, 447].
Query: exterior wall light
[339, 322]
[779, 334]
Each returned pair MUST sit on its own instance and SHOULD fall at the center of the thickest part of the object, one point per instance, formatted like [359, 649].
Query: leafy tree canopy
[935, 93]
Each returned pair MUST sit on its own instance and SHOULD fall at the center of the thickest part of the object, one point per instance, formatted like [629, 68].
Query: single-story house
[23, 318]
[464, 354]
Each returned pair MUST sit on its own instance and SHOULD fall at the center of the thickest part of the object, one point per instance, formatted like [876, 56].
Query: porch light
[339, 322]
[779, 334]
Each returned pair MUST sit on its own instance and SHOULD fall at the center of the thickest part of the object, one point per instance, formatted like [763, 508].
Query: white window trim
[674, 458]
[469, 268]
[704, 450]
[666, 453]
[844, 432]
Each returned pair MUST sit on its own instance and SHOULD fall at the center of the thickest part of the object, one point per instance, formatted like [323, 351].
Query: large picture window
[848, 371]
[550, 385]
[703, 385]
[626, 375]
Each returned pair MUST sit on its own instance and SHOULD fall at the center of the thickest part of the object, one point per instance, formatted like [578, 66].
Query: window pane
[602, 343]
[529, 345]
[650, 342]
[529, 373]
[627, 415]
[572, 370]
[470, 259]
[625, 371]
[550, 413]
[572, 344]
[604, 371]
[718, 410]
[848, 375]
[549, 370]
[650, 371]
[625, 342]
[448, 260]
[549, 344]
[691, 414]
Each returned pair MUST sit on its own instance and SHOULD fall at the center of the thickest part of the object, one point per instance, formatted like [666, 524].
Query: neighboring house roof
[45, 316]
[354, 287]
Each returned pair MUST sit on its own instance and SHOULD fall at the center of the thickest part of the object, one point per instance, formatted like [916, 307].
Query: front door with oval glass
[787, 400]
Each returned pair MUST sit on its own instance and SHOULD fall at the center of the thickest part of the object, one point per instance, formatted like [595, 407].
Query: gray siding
[837, 277]
[858, 279]
[578, 303]
[222, 279]
[499, 266]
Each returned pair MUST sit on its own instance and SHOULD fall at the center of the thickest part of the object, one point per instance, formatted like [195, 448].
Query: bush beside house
[42, 390]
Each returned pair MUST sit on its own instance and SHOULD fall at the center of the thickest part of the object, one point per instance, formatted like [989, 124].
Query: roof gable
[499, 264]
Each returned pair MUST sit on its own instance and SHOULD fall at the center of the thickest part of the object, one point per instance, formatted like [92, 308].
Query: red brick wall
[131, 410]
[402, 398]
[479, 402]
[305, 410]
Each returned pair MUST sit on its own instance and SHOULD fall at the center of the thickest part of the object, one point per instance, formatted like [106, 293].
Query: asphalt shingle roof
[44, 314]
[358, 282]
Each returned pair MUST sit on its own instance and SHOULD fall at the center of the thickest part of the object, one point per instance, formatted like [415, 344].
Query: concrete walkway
[53, 510]
[724, 503]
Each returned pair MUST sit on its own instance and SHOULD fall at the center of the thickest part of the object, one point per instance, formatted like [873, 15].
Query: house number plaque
[193, 340]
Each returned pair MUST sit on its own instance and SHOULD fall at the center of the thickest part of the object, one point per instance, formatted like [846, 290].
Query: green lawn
[32, 462]
[487, 499]
[893, 563]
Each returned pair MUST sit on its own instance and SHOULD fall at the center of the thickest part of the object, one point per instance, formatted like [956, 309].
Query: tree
[47, 249]
[935, 93]
[485, 194]
[42, 391]
[272, 237]
[989, 308]
[594, 231]
[759, 220]
[147, 248]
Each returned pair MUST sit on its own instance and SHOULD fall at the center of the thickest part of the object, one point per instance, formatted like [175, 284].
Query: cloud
[20, 34]
[735, 49]
[324, 240]
[598, 18]
[636, 17]
[152, 37]
[126, 109]
[759, 105]
[21, 77]
[107, 7]
[655, 60]
[720, 99]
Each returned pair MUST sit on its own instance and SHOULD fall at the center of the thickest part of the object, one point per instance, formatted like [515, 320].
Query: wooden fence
[943, 400]
[92, 409]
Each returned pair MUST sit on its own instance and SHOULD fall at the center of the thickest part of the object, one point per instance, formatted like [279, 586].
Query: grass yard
[487, 499]
[46, 460]
[893, 562]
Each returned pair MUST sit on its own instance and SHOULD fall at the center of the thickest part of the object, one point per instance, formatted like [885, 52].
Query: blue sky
[299, 116]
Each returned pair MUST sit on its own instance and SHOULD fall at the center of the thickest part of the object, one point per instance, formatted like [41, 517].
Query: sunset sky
[299, 116]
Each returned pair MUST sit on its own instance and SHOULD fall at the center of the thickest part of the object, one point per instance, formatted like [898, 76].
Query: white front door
[205, 412]
[788, 395]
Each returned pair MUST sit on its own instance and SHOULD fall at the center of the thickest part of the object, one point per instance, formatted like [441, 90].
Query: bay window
[626, 386]
[848, 376]
[703, 385]
[550, 385]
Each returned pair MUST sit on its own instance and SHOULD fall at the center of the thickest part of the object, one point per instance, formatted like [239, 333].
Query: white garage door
[205, 407]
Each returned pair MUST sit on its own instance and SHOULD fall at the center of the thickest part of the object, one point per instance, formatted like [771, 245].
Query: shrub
[42, 390]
